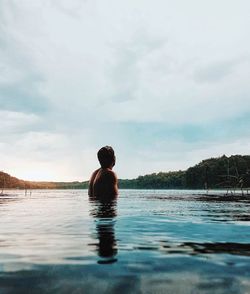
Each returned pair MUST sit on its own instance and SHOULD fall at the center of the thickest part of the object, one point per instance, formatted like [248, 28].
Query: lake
[162, 241]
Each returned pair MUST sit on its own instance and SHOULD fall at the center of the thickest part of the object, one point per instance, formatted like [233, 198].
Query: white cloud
[16, 121]
[73, 72]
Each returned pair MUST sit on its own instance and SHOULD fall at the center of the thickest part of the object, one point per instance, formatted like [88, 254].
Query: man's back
[103, 184]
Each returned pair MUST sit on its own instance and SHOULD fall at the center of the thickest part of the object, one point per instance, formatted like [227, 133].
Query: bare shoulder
[94, 175]
[91, 181]
[111, 174]
[113, 182]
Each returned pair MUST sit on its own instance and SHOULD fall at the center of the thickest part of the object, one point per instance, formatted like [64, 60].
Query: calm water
[148, 242]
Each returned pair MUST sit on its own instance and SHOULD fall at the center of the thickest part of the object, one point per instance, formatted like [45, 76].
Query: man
[103, 184]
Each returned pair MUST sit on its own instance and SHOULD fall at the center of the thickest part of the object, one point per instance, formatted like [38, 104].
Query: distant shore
[223, 172]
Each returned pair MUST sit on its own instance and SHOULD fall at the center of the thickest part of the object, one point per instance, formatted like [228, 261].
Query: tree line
[212, 173]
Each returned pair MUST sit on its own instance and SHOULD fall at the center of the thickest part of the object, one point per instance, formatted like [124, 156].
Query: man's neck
[110, 167]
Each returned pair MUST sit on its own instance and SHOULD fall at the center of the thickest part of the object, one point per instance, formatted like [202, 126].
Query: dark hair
[106, 156]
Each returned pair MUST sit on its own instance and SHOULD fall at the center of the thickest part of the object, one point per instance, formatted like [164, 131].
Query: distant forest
[212, 173]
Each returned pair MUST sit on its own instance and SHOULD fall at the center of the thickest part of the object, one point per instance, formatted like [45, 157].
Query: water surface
[167, 241]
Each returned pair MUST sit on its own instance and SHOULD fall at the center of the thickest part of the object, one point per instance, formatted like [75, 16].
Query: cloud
[22, 96]
[167, 77]
[217, 71]
[17, 122]
[20, 80]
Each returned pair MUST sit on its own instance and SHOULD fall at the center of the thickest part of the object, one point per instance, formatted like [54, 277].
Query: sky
[166, 83]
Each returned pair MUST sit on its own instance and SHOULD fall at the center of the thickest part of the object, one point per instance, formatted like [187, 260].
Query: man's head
[106, 157]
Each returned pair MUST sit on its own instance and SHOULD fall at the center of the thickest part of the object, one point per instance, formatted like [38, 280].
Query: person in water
[103, 183]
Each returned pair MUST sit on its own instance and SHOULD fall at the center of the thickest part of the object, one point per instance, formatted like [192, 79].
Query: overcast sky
[166, 83]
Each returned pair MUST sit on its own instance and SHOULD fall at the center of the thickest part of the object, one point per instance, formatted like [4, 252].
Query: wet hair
[106, 156]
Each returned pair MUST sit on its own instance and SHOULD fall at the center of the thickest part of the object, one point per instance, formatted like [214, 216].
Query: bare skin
[103, 184]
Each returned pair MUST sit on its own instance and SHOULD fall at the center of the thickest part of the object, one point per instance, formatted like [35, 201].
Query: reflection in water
[194, 248]
[6, 199]
[104, 212]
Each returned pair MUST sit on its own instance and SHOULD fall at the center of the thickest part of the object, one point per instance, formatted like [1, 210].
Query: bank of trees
[161, 180]
[233, 171]
[220, 172]
[9, 182]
